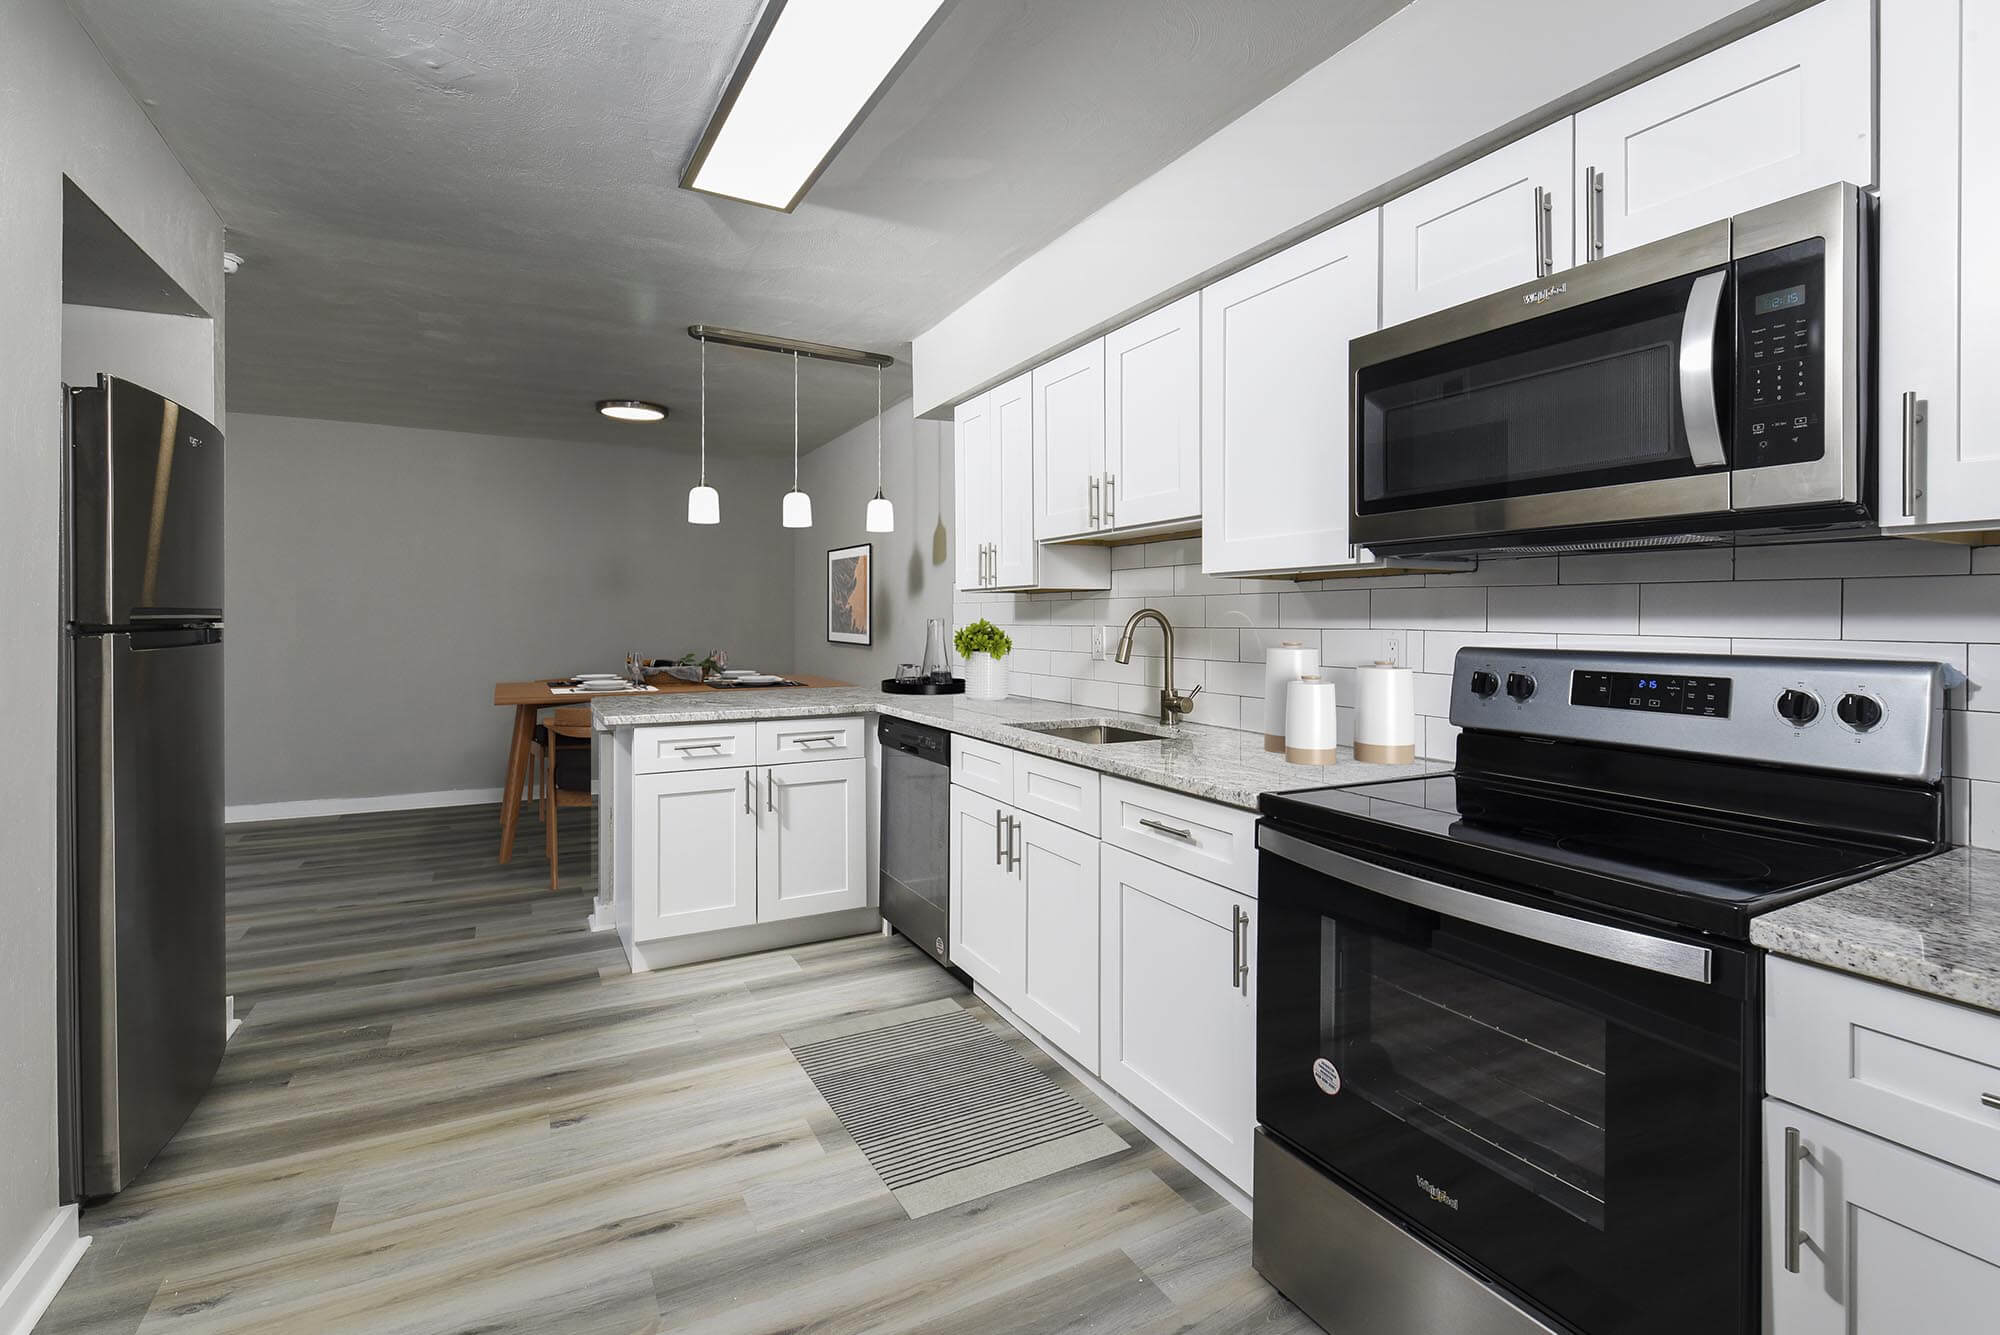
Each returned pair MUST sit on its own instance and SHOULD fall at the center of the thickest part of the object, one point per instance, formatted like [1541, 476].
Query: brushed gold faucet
[1172, 706]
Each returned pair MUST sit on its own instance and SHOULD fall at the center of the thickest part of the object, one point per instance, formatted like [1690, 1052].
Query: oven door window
[1578, 398]
[1578, 1130]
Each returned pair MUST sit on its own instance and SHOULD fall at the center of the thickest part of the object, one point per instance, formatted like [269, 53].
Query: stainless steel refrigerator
[143, 1010]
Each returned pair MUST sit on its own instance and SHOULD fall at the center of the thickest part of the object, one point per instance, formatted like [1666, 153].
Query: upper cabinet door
[972, 433]
[1152, 419]
[1784, 110]
[1940, 126]
[1069, 443]
[1010, 505]
[1502, 220]
[1274, 393]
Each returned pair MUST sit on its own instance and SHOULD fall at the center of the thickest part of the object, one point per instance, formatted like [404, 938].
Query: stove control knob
[1484, 684]
[1863, 713]
[1798, 708]
[1520, 686]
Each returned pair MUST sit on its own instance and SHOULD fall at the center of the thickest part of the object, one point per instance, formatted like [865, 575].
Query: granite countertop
[1933, 926]
[1219, 764]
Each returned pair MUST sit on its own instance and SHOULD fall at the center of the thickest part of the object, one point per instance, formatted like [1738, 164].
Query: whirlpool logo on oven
[1437, 1193]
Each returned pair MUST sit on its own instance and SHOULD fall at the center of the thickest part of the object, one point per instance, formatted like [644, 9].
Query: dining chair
[565, 772]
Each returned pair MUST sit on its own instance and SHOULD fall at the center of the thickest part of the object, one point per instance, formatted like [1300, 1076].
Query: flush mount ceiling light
[632, 410]
[812, 71]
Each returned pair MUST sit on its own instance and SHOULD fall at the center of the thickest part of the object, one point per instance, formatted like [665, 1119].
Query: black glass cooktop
[1677, 864]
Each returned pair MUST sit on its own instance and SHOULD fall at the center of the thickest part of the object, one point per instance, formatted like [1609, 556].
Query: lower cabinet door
[988, 906]
[1883, 1240]
[1179, 1005]
[694, 852]
[812, 843]
[1059, 996]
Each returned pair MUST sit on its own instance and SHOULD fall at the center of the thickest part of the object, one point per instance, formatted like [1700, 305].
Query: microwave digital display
[1781, 300]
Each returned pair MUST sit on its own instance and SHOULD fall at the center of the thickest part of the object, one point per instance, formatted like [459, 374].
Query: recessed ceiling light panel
[631, 410]
[812, 70]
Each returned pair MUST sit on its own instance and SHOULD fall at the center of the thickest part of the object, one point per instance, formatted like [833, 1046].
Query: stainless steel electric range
[1509, 1049]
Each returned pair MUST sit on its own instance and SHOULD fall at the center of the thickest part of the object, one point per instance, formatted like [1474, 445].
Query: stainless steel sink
[1094, 734]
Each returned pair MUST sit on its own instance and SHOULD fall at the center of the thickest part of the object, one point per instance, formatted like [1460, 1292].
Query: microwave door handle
[1698, 409]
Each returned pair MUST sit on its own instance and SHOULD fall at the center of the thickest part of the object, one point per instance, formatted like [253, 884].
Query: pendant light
[704, 505]
[881, 514]
[798, 511]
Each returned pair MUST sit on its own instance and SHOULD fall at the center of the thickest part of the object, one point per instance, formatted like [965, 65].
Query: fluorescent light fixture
[632, 410]
[812, 71]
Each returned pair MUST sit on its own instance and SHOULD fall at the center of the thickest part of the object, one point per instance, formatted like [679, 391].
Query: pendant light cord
[878, 431]
[704, 412]
[795, 421]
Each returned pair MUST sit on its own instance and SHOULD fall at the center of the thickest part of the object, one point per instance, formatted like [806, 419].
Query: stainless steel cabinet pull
[1013, 843]
[685, 747]
[992, 564]
[1991, 1101]
[829, 738]
[1239, 949]
[1913, 426]
[999, 836]
[1174, 830]
[1093, 500]
[749, 794]
[1795, 1237]
[1593, 214]
[1110, 509]
[771, 793]
[1545, 256]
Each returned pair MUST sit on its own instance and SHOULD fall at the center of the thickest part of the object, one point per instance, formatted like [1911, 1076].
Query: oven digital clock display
[1706, 697]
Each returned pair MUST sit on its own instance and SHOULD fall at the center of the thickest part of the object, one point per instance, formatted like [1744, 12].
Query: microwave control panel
[1781, 356]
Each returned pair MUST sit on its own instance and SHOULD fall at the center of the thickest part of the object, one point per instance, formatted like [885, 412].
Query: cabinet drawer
[693, 746]
[1067, 794]
[782, 741]
[983, 767]
[1914, 1069]
[1214, 842]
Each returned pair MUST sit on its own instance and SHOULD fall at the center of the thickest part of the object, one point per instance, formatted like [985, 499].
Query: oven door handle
[1619, 945]
[1698, 410]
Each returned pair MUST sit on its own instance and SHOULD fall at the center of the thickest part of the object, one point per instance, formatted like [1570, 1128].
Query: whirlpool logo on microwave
[1542, 294]
[1437, 1193]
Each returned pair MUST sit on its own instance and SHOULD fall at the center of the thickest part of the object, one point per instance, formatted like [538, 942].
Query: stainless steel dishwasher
[916, 833]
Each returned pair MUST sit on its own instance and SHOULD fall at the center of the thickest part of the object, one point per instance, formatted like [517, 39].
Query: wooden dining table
[529, 698]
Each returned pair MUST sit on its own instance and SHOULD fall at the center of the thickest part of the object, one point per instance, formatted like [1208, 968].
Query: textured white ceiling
[464, 213]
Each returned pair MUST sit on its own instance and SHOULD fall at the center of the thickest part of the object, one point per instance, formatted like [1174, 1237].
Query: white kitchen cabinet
[1152, 420]
[988, 915]
[1779, 112]
[1888, 1241]
[1274, 395]
[1057, 868]
[1940, 135]
[694, 851]
[812, 839]
[1178, 1010]
[1069, 443]
[1502, 220]
[977, 483]
[1015, 557]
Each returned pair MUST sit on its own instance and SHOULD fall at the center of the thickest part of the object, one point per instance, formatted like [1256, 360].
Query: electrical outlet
[1097, 643]
[1393, 643]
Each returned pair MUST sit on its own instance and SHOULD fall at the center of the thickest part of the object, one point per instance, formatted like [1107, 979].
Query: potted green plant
[984, 647]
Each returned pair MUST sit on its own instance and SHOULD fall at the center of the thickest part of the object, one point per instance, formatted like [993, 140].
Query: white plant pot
[985, 677]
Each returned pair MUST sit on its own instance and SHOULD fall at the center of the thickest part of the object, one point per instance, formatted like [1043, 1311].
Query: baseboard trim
[1154, 1132]
[349, 806]
[27, 1293]
[670, 952]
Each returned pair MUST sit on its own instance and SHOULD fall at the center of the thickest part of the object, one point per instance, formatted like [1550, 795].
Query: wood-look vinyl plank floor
[452, 1108]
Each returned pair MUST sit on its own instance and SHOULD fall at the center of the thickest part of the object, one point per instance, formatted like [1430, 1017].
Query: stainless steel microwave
[1703, 387]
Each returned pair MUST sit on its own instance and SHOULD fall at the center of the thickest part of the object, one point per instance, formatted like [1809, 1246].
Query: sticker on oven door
[1327, 1076]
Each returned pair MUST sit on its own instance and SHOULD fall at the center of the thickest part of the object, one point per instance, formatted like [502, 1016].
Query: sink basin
[1094, 734]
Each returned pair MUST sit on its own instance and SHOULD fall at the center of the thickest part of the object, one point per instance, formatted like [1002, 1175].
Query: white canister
[1385, 714]
[985, 677]
[1312, 724]
[1283, 664]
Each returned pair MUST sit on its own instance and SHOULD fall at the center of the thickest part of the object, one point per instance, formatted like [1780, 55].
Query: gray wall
[912, 581]
[64, 113]
[381, 579]
[172, 355]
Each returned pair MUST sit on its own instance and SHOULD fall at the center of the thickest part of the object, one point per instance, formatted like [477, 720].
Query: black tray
[956, 686]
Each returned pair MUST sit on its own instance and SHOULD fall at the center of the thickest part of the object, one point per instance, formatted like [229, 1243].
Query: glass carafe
[937, 652]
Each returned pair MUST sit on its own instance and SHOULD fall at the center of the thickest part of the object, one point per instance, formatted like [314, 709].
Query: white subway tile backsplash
[1190, 579]
[1972, 747]
[1795, 609]
[1095, 694]
[1440, 739]
[1643, 644]
[1251, 643]
[1693, 563]
[1143, 582]
[1982, 665]
[1129, 558]
[1440, 647]
[1218, 711]
[1430, 609]
[1519, 570]
[1433, 694]
[1926, 607]
[1324, 608]
[1359, 646]
[1879, 556]
[1236, 678]
[1174, 552]
[1252, 611]
[1589, 609]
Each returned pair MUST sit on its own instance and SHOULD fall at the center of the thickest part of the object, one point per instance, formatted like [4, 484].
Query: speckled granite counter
[1933, 926]
[1220, 764]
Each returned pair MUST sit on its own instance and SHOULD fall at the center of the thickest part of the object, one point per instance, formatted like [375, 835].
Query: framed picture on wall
[849, 593]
